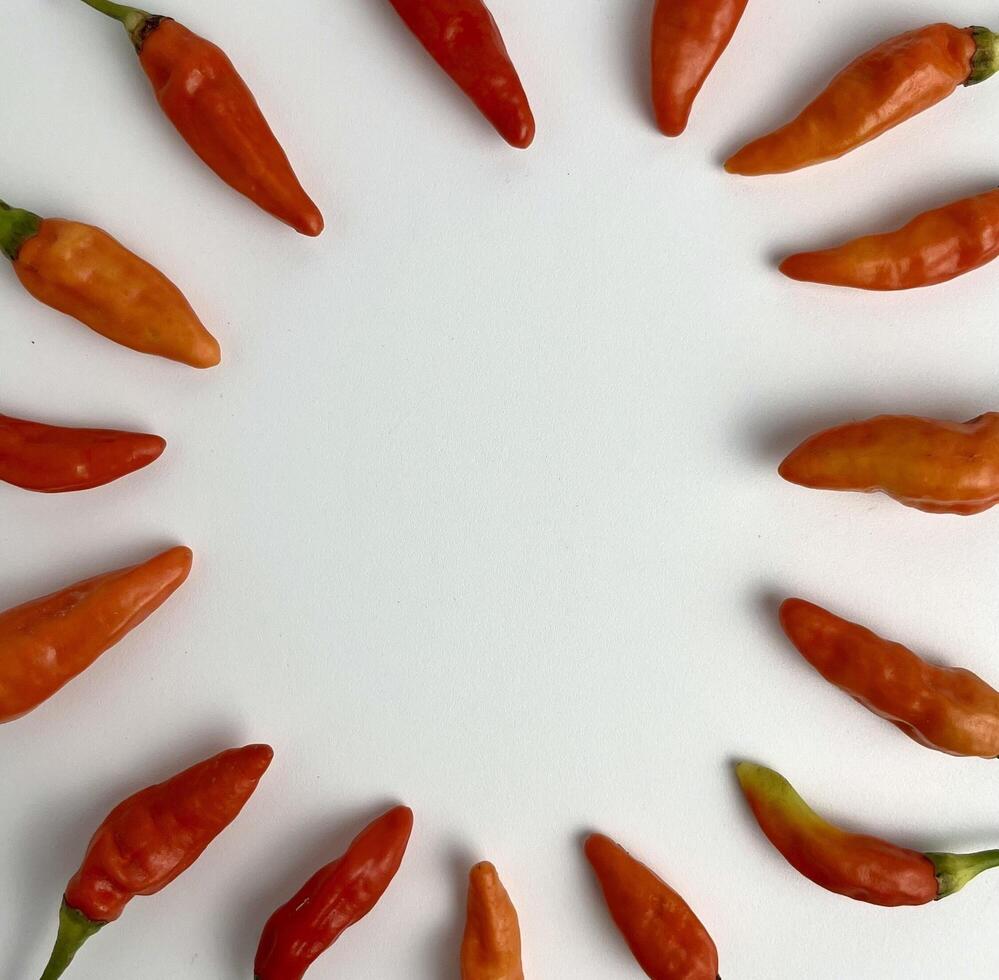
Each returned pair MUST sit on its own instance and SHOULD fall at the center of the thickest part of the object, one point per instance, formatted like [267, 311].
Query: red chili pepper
[333, 899]
[688, 38]
[462, 37]
[211, 106]
[150, 839]
[490, 947]
[882, 88]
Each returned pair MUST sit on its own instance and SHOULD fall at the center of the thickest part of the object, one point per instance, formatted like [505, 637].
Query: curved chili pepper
[202, 94]
[45, 643]
[882, 88]
[83, 272]
[935, 466]
[333, 899]
[665, 936]
[462, 37]
[490, 949]
[150, 839]
[688, 38]
[859, 867]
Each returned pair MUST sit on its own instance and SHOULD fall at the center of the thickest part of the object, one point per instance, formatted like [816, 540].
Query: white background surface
[483, 497]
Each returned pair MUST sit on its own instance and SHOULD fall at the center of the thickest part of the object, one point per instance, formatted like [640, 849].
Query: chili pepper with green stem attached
[490, 947]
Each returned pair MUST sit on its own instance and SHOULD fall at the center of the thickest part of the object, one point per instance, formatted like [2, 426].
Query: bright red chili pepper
[150, 839]
[462, 37]
[490, 947]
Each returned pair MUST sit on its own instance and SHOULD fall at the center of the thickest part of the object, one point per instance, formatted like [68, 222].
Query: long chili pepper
[863, 868]
[83, 272]
[462, 37]
[336, 897]
[933, 465]
[490, 949]
[203, 95]
[149, 840]
[665, 936]
[882, 88]
[44, 644]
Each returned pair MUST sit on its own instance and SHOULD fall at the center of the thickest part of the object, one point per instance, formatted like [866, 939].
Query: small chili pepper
[935, 466]
[882, 88]
[83, 272]
[149, 840]
[462, 37]
[490, 949]
[665, 936]
[688, 38]
[45, 643]
[202, 94]
[859, 867]
[336, 897]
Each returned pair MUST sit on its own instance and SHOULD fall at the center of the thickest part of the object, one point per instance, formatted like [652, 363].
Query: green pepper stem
[131, 18]
[16, 227]
[74, 930]
[954, 871]
[985, 61]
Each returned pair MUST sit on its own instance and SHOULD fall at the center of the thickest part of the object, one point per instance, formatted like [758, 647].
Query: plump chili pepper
[688, 38]
[665, 936]
[149, 840]
[490, 949]
[336, 897]
[462, 37]
[859, 867]
[45, 643]
[935, 466]
[215, 112]
[882, 88]
[83, 272]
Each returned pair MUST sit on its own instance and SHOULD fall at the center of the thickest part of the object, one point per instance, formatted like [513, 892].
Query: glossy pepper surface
[462, 37]
[491, 947]
[882, 88]
[202, 94]
[55, 459]
[150, 839]
[935, 466]
[336, 897]
[45, 643]
[665, 936]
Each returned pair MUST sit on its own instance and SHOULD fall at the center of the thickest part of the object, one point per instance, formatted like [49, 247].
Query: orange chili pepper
[935, 466]
[882, 88]
[490, 949]
[665, 936]
[45, 643]
[149, 840]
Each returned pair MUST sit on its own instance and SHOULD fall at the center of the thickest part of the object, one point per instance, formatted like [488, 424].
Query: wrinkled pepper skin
[491, 947]
[665, 936]
[336, 897]
[45, 643]
[948, 709]
[462, 37]
[55, 459]
[150, 839]
[936, 466]
[688, 38]
[882, 88]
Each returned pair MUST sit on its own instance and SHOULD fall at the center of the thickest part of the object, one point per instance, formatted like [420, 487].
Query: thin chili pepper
[83, 272]
[336, 897]
[150, 839]
[45, 643]
[863, 868]
[462, 37]
[490, 949]
[948, 709]
[202, 94]
[665, 936]
[688, 38]
[882, 88]
[933, 465]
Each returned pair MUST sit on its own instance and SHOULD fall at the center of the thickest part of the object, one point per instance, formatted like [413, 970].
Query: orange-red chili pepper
[336, 897]
[45, 643]
[665, 936]
[202, 94]
[863, 868]
[490, 948]
[150, 839]
[936, 466]
[688, 38]
[882, 88]
[462, 37]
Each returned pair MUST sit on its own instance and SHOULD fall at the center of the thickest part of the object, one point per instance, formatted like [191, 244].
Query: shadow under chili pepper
[444, 954]
[636, 62]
